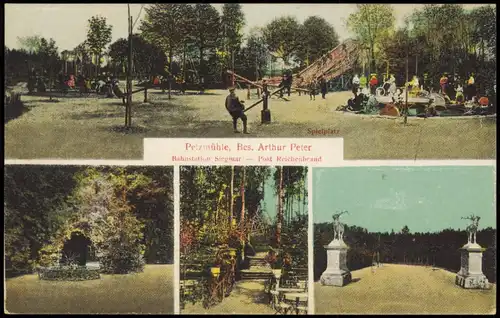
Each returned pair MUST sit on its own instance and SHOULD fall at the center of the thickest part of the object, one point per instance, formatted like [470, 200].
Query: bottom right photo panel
[404, 240]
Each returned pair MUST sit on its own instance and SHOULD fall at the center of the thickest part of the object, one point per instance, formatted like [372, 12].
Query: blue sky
[270, 201]
[426, 199]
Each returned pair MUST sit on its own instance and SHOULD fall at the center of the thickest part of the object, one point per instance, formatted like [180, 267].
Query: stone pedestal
[471, 274]
[336, 273]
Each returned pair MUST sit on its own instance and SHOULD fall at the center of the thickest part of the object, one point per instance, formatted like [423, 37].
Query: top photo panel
[395, 81]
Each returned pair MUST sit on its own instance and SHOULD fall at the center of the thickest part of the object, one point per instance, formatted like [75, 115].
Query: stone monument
[336, 273]
[471, 274]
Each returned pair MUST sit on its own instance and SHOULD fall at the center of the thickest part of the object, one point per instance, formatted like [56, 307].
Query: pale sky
[426, 199]
[67, 23]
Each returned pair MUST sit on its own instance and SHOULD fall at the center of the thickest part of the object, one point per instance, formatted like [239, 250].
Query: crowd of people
[452, 88]
[103, 84]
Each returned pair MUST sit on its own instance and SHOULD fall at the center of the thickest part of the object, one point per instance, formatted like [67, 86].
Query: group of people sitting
[103, 84]
[459, 90]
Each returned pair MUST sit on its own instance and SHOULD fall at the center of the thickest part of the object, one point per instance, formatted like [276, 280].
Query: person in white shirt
[355, 85]
[392, 85]
[459, 97]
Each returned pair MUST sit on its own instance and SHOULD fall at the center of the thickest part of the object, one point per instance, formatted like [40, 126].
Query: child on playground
[313, 88]
[373, 83]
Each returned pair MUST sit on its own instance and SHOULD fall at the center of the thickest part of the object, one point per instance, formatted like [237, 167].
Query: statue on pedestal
[336, 273]
[471, 274]
[472, 228]
[338, 227]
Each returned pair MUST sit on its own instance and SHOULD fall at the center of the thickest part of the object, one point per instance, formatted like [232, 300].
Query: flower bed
[68, 273]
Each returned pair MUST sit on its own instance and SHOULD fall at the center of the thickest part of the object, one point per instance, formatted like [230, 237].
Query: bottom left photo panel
[88, 239]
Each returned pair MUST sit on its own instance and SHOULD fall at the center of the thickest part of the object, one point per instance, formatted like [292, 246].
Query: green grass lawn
[403, 289]
[89, 128]
[147, 292]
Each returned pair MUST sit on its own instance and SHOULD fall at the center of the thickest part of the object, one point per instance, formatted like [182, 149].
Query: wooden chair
[297, 303]
[278, 304]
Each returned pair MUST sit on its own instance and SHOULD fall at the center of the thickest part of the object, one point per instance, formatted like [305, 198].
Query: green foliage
[34, 209]
[318, 38]
[114, 229]
[127, 213]
[233, 21]
[371, 23]
[99, 34]
[17, 247]
[295, 241]
[30, 44]
[283, 37]
[252, 57]
[69, 273]
[166, 25]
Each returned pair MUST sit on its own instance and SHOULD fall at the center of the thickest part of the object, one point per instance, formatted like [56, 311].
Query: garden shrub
[68, 273]
[122, 259]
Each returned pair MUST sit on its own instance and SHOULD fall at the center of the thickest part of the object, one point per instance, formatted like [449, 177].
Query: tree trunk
[372, 62]
[98, 65]
[280, 208]
[170, 57]
[184, 79]
[231, 204]
[200, 74]
[242, 193]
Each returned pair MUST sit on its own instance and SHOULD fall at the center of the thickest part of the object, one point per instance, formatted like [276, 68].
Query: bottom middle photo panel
[243, 240]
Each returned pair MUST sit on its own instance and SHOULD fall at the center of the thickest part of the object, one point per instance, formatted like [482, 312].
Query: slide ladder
[335, 63]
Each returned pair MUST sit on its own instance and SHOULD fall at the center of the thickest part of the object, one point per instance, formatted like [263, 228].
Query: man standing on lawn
[235, 108]
[323, 86]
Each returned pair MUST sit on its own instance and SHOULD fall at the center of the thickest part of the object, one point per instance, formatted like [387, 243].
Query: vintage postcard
[88, 239]
[393, 80]
[244, 240]
[404, 240]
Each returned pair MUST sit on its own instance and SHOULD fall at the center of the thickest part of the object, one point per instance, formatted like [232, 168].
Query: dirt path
[398, 289]
[248, 297]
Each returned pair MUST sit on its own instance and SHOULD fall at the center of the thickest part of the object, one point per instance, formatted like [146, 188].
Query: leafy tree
[370, 24]
[49, 55]
[283, 37]
[318, 38]
[233, 21]
[146, 56]
[101, 200]
[82, 55]
[252, 61]
[128, 213]
[167, 26]
[33, 201]
[205, 31]
[98, 37]
[31, 44]
[405, 230]
[118, 52]
[483, 33]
